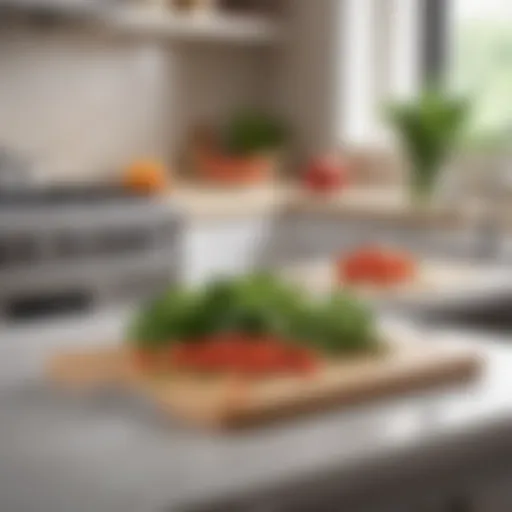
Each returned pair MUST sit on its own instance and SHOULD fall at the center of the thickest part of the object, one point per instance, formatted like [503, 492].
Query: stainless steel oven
[67, 249]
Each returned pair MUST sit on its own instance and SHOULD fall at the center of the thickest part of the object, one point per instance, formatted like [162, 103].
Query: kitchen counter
[387, 203]
[438, 284]
[63, 453]
[227, 232]
[355, 203]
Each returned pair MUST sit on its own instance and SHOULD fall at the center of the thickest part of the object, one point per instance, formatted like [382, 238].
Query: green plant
[429, 129]
[250, 132]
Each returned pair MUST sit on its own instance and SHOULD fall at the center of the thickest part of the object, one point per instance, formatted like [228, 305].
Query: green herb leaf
[251, 132]
[256, 305]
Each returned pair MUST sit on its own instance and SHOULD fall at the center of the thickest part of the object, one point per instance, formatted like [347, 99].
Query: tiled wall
[82, 105]
[78, 105]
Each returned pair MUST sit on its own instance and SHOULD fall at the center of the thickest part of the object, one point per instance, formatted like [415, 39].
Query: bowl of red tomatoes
[376, 266]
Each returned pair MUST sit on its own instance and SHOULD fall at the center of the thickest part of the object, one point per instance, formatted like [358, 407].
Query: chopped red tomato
[376, 266]
[243, 355]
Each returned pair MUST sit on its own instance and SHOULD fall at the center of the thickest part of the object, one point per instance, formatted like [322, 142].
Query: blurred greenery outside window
[481, 67]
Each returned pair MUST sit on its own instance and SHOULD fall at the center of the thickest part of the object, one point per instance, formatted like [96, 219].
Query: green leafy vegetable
[256, 305]
[164, 320]
[344, 324]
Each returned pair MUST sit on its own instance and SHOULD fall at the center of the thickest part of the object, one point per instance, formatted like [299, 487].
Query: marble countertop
[109, 453]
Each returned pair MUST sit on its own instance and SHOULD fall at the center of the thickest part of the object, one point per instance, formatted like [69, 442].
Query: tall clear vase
[423, 185]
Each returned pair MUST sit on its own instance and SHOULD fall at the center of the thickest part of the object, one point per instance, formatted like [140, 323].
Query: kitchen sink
[491, 314]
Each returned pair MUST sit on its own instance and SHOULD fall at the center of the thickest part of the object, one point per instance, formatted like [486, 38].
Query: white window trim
[380, 60]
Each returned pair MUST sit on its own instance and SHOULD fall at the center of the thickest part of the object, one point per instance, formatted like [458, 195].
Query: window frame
[435, 44]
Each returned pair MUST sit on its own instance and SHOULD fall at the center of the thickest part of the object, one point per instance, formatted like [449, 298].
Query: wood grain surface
[232, 401]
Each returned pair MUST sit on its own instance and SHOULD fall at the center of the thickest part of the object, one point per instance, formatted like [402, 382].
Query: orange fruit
[146, 177]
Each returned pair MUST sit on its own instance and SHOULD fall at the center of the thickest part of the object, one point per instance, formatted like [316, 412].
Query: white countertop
[110, 453]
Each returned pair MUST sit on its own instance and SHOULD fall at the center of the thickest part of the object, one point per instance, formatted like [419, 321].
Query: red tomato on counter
[325, 175]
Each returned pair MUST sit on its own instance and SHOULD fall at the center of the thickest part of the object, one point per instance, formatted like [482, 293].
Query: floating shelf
[242, 29]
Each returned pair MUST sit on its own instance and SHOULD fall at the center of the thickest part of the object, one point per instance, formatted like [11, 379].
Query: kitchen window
[479, 64]
[392, 49]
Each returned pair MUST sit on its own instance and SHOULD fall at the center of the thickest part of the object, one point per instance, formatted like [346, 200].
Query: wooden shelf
[249, 29]
[385, 205]
[153, 22]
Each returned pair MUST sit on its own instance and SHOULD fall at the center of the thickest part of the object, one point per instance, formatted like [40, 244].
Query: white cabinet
[224, 248]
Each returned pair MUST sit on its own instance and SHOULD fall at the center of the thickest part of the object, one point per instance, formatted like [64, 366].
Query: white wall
[78, 105]
[307, 86]
[81, 105]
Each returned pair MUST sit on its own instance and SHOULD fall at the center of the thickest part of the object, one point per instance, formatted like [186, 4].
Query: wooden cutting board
[223, 402]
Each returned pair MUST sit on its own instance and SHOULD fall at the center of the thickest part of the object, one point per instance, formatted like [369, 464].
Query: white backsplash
[79, 106]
